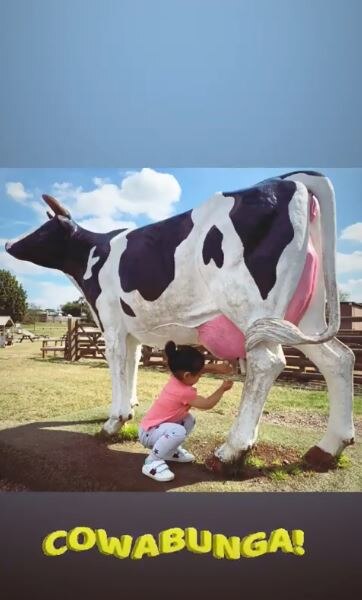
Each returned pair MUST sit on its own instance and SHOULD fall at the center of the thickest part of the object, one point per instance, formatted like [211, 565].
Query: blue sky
[102, 199]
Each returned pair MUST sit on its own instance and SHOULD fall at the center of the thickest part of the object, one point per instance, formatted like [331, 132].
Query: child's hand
[227, 385]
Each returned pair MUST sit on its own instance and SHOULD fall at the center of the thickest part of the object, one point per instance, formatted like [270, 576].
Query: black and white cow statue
[242, 274]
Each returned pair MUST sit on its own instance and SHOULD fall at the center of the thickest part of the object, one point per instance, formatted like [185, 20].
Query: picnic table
[27, 336]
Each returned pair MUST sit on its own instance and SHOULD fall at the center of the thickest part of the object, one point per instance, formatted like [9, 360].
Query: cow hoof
[215, 465]
[230, 469]
[319, 460]
[112, 426]
[103, 435]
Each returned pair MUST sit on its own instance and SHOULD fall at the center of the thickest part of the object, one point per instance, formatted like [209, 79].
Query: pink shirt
[171, 405]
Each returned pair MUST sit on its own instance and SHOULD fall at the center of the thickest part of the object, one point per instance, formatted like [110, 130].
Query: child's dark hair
[184, 358]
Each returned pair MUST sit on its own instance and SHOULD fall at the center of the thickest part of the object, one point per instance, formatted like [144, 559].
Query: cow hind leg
[264, 364]
[335, 361]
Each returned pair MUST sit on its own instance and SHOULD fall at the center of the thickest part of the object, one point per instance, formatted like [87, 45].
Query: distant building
[351, 309]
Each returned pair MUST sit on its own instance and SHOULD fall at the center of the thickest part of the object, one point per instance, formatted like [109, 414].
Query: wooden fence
[83, 341]
[301, 369]
[80, 341]
[298, 366]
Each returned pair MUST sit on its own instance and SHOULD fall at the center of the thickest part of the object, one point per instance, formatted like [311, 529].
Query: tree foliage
[77, 308]
[72, 308]
[12, 296]
[343, 296]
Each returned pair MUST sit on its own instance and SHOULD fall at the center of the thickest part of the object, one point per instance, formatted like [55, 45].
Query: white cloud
[145, 192]
[19, 267]
[352, 233]
[40, 208]
[107, 205]
[98, 181]
[150, 192]
[17, 191]
[105, 224]
[53, 295]
[6, 223]
[66, 191]
[354, 288]
[349, 263]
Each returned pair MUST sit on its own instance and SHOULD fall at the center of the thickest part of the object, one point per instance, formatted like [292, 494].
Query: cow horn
[56, 206]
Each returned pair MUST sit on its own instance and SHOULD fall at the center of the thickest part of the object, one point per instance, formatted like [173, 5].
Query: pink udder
[226, 341]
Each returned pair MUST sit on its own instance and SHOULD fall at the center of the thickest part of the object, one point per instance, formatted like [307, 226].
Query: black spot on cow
[148, 262]
[80, 245]
[212, 247]
[127, 309]
[314, 173]
[261, 219]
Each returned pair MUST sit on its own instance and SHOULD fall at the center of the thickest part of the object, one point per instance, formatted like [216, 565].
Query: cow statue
[242, 274]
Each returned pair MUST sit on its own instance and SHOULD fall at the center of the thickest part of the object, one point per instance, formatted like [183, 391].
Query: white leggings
[165, 438]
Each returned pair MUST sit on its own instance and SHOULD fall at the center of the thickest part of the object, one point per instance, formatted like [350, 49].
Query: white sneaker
[181, 455]
[158, 470]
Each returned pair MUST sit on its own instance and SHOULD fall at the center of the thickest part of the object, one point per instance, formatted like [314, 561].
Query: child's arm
[210, 401]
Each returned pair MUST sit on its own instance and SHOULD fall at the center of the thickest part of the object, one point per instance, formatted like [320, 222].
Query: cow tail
[284, 332]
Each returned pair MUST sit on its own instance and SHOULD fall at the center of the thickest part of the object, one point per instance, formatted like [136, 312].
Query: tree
[343, 296]
[12, 296]
[32, 313]
[72, 308]
[78, 308]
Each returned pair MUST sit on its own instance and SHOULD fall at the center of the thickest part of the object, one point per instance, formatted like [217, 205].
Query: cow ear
[67, 224]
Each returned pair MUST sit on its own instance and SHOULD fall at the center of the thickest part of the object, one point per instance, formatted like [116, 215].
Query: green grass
[278, 475]
[255, 461]
[48, 328]
[79, 394]
[129, 432]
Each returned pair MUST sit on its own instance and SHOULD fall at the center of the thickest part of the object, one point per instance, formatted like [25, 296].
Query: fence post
[71, 341]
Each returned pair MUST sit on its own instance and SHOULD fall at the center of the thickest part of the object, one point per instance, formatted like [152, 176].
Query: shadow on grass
[58, 360]
[45, 457]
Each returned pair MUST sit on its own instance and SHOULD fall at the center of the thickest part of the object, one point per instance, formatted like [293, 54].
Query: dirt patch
[264, 460]
[300, 419]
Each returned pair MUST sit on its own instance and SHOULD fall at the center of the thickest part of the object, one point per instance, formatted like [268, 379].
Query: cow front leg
[134, 349]
[263, 365]
[116, 354]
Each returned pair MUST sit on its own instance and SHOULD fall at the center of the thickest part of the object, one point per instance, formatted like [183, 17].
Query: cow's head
[47, 245]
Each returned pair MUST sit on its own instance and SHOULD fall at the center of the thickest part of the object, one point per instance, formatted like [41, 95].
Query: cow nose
[8, 246]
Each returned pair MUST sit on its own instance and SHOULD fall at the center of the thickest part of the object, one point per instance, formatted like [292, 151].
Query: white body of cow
[200, 292]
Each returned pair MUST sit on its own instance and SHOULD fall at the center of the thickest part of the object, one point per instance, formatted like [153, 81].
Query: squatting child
[168, 421]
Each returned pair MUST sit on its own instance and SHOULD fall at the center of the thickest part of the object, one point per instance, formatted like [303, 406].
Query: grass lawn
[73, 398]
[53, 330]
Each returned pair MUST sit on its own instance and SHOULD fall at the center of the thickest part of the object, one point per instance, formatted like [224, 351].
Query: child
[168, 421]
